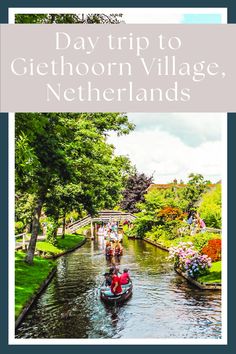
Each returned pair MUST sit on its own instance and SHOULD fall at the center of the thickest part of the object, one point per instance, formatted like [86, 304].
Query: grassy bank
[214, 275]
[28, 279]
[199, 240]
[63, 244]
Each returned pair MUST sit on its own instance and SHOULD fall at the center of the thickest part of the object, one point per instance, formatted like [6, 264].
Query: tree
[98, 187]
[136, 188]
[69, 163]
[210, 207]
[68, 18]
[194, 189]
[162, 208]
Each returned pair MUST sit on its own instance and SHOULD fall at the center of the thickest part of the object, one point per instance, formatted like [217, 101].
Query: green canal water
[163, 304]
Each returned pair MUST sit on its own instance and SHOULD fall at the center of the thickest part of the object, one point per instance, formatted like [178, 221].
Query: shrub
[72, 215]
[125, 228]
[210, 207]
[142, 225]
[156, 233]
[188, 260]
[213, 250]
[172, 229]
[201, 239]
[169, 213]
[19, 227]
[51, 231]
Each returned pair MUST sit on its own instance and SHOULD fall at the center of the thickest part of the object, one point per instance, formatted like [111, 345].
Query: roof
[154, 186]
[165, 186]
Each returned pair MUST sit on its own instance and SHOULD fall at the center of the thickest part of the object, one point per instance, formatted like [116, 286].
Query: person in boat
[108, 249]
[118, 249]
[108, 279]
[125, 277]
[115, 284]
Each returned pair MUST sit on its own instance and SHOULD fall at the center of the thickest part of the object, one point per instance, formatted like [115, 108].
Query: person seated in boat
[107, 279]
[108, 249]
[115, 284]
[118, 249]
[125, 277]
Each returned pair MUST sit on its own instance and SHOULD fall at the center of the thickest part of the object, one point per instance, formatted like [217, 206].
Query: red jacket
[116, 279]
[124, 278]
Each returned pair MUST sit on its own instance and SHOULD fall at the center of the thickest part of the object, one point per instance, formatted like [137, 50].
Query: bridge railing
[21, 244]
[104, 216]
[215, 231]
[80, 220]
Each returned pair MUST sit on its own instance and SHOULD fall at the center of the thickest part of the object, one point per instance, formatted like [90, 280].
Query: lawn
[199, 240]
[29, 278]
[63, 244]
[214, 276]
[69, 242]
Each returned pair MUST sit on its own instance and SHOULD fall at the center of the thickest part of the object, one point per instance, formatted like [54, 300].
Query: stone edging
[34, 297]
[203, 286]
[68, 251]
[44, 284]
[157, 244]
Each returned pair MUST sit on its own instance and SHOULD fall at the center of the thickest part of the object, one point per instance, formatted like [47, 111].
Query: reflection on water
[163, 304]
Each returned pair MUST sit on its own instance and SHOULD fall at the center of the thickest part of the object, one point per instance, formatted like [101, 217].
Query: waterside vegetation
[164, 218]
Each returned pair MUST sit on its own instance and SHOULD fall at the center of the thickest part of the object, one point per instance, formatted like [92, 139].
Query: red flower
[169, 213]
[213, 249]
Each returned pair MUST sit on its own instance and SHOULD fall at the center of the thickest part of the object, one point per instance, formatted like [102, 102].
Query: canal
[163, 304]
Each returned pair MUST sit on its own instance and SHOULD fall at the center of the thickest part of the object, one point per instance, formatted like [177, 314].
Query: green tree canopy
[210, 207]
[65, 161]
[68, 18]
[194, 189]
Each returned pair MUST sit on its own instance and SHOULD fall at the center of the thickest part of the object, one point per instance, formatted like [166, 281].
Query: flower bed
[213, 250]
[190, 261]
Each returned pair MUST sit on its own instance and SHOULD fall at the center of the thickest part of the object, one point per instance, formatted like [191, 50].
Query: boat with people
[118, 249]
[109, 252]
[107, 296]
[116, 287]
[113, 249]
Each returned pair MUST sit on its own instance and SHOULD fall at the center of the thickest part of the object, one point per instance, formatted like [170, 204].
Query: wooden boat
[118, 252]
[109, 252]
[107, 296]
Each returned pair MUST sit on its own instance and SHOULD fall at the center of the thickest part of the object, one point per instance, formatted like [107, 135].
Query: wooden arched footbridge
[104, 216]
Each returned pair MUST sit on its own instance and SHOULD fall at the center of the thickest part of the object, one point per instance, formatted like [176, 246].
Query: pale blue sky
[173, 145]
[202, 18]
